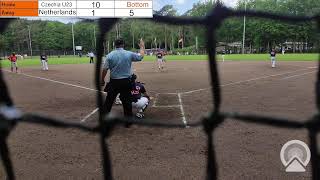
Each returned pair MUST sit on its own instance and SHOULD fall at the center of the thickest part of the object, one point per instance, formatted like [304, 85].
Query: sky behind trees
[184, 5]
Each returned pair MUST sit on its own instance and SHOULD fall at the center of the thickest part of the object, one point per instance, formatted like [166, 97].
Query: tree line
[51, 36]
[260, 36]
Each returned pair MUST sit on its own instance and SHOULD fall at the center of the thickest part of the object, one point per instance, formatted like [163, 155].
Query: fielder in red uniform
[13, 59]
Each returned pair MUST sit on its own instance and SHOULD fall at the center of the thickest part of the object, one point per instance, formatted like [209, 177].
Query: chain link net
[10, 116]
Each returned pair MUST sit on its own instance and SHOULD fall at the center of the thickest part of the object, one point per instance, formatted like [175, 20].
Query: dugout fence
[37, 53]
[10, 116]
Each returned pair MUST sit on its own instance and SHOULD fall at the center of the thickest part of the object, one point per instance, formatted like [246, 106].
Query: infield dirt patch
[244, 151]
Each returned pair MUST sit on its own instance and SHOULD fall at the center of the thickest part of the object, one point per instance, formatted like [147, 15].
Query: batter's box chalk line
[180, 106]
[89, 115]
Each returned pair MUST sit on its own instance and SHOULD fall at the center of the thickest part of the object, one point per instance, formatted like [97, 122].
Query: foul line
[298, 75]
[55, 81]
[82, 87]
[166, 106]
[64, 83]
[182, 111]
[89, 115]
[253, 79]
[229, 84]
[178, 94]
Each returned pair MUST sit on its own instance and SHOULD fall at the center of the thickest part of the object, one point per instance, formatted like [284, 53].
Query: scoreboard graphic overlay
[76, 8]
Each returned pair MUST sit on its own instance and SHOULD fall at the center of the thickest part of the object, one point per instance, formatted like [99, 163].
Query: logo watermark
[295, 156]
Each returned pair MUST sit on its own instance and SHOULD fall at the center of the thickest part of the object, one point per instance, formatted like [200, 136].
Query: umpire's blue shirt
[119, 62]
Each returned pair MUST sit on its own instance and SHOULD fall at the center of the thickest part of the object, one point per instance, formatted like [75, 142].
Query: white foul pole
[30, 41]
[244, 27]
[74, 50]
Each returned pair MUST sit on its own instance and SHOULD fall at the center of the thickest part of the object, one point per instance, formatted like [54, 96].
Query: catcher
[140, 98]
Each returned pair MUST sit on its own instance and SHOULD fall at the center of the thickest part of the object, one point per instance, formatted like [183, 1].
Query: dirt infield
[181, 95]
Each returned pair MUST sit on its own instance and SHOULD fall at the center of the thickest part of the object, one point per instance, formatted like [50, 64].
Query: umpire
[119, 63]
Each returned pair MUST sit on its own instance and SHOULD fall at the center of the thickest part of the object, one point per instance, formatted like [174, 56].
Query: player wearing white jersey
[44, 62]
[160, 60]
[273, 58]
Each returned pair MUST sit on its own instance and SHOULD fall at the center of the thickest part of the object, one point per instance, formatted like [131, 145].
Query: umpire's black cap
[119, 42]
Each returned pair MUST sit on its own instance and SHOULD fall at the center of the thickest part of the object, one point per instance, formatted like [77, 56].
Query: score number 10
[95, 5]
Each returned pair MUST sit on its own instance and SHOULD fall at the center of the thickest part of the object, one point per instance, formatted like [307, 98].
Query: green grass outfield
[235, 57]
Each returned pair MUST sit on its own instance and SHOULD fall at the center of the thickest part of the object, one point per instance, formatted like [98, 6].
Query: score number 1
[95, 5]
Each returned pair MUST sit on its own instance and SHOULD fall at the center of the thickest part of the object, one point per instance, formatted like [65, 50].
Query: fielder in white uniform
[91, 56]
[273, 58]
[160, 59]
[44, 62]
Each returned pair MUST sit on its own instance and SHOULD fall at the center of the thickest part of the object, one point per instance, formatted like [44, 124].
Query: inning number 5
[131, 13]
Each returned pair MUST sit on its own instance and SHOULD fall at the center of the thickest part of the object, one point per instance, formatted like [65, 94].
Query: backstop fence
[10, 115]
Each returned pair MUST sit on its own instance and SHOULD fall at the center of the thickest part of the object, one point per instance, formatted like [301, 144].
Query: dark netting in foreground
[9, 115]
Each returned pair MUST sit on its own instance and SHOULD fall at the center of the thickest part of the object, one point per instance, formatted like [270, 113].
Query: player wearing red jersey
[13, 59]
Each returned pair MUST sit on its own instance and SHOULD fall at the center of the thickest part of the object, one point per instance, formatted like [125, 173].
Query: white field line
[96, 110]
[179, 94]
[180, 106]
[155, 100]
[67, 84]
[168, 106]
[170, 93]
[167, 93]
[82, 87]
[89, 115]
[55, 81]
[297, 75]
[182, 111]
[248, 80]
